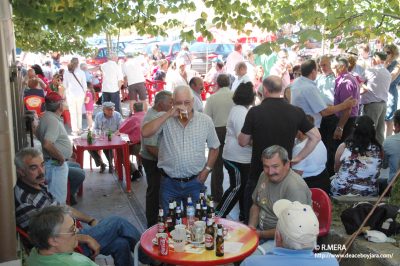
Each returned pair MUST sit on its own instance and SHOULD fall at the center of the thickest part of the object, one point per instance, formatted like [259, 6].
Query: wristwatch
[208, 168]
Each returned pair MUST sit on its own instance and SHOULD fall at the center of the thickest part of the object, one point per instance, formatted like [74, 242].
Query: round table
[237, 232]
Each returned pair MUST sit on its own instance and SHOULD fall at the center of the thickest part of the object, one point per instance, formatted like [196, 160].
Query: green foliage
[68, 22]
[62, 25]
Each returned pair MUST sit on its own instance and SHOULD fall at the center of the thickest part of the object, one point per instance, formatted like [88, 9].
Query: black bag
[383, 219]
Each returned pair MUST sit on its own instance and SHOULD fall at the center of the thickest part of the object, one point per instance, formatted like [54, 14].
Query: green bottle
[89, 137]
[109, 135]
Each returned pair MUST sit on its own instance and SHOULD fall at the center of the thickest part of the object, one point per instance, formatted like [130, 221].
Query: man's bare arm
[313, 138]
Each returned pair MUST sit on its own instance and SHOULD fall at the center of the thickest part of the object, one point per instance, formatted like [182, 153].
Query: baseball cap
[53, 97]
[297, 221]
[352, 51]
[108, 105]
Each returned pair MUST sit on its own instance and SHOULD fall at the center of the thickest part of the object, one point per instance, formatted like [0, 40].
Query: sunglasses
[73, 232]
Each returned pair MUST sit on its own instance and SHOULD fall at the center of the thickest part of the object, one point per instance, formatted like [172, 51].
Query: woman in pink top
[89, 104]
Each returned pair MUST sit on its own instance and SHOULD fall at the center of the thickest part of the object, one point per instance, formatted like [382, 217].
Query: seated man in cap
[113, 235]
[53, 232]
[295, 238]
[106, 121]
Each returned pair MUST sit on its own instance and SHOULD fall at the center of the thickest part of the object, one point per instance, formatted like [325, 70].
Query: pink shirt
[132, 127]
[89, 106]
[276, 70]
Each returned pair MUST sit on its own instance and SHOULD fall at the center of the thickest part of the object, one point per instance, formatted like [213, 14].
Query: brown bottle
[219, 242]
[161, 221]
[209, 234]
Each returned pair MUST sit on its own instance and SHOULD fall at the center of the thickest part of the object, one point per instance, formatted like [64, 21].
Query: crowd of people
[280, 125]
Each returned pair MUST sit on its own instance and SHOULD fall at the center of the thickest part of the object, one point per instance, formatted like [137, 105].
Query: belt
[183, 179]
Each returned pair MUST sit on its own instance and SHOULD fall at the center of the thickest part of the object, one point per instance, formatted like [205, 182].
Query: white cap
[296, 221]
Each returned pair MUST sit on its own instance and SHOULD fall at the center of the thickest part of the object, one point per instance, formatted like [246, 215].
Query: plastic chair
[322, 207]
[152, 87]
[34, 103]
[28, 244]
[208, 89]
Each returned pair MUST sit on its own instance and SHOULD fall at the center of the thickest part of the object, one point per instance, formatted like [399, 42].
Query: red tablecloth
[80, 145]
[237, 232]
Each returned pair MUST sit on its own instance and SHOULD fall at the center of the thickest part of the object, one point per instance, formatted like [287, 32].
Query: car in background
[203, 54]
[169, 49]
[138, 45]
[100, 56]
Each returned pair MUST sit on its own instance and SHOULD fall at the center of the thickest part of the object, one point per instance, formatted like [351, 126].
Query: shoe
[136, 175]
[111, 169]
[72, 200]
[102, 168]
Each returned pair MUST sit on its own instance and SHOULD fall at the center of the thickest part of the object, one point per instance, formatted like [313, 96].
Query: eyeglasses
[73, 232]
[186, 103]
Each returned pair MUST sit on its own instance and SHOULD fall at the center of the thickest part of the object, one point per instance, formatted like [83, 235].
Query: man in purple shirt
[346, 85]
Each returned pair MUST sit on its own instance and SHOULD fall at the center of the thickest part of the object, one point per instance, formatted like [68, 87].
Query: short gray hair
[270, 152]
[341, 61]
[26, 152]
[273, 84]
[182, 88]
[46, 223]
[289, 243]
[162, 96]
[223, 80]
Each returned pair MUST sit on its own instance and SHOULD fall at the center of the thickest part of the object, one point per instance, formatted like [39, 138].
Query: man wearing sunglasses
[113, 235]
[54, 234]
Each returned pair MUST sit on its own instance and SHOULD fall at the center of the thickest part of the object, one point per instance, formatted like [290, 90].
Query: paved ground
[104, 195]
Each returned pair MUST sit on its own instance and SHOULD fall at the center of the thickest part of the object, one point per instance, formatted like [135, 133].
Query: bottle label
[209, 240]
[220, 249]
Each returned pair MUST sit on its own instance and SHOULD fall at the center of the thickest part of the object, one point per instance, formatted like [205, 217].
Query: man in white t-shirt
[133, 71]
[234, 58]
[112, 81]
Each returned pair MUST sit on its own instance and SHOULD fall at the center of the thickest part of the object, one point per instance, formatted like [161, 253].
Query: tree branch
[380, 23]
[391, 15]
[346, 20]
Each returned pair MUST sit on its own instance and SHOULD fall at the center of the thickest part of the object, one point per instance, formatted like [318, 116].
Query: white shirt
[314, 163]
[111, 75]
[72, 87]
[238, 80]
[133, 70]
[231, 61]
[232, 150]
[175, 79]
[378, 82]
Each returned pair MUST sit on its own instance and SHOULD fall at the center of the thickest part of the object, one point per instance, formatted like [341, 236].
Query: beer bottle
[211, 209]
[109, 135]
[171, 217]
[204, 213]
[161, 222]
[219, 242]
[198, 211]
[209, 234]
[178, 219]
[190, 213]
[90, 137]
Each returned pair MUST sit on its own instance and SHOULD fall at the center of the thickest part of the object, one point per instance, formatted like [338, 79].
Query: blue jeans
[76, 176]
[117, 237]
[179, 191]
[112, 97]
[57, 179]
